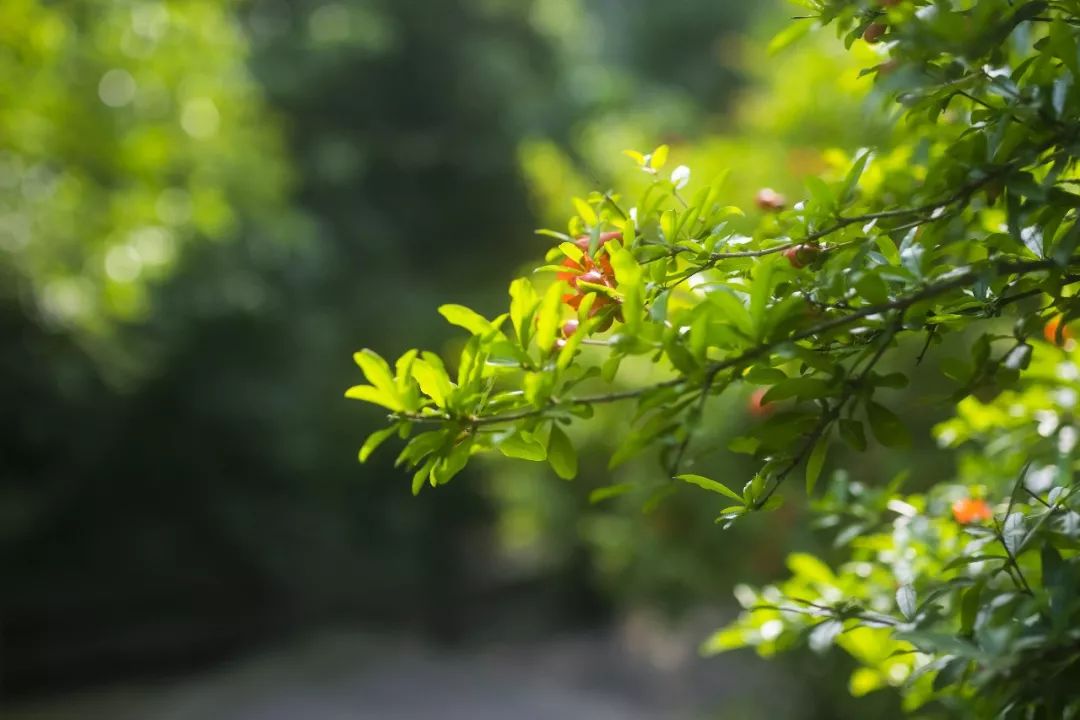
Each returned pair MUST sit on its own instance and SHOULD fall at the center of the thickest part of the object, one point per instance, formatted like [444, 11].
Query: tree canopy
[131, 130]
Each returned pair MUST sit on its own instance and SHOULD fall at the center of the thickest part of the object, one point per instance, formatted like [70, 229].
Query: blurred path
[633, 674]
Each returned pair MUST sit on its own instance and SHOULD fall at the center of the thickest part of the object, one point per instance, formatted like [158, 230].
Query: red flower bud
[801, 255]
[873, 32]
[769, 200]
[592, 276]
[758, 408]
[582, 241]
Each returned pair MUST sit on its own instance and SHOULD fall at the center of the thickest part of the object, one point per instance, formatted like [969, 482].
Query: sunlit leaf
[710, 485]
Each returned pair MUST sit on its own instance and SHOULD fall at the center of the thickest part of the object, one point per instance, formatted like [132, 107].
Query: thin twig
[963, 193]
[1019, 579]
[1035, 496]
[698, 413]
[831, 414]
[828, 612]
[930, 333]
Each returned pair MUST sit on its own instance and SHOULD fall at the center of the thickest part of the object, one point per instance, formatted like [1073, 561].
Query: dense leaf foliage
[175, 323]
[131, 130]
[665, 295]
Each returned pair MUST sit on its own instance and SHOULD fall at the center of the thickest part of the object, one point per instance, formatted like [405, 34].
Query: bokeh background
[206, 206]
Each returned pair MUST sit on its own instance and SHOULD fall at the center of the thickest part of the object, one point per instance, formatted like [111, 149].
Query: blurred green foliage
[177, 476]
[130, 130]
[203, 206]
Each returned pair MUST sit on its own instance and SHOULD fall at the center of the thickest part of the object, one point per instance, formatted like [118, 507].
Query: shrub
[965, 225]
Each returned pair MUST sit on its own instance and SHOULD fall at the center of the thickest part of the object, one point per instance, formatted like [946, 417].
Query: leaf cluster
[965, 224]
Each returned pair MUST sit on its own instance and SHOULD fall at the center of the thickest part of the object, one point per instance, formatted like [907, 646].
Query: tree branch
[831, 415]
[957, 280]
[962, 194]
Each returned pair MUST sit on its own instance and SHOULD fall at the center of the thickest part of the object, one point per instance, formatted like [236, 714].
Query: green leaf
[792, 32]
[572, 251]
[888, 248]
[806, 388]
[809, 568]
[573, 343]
[1018, 358]
[710, 485]
[728, 514]
[1063, 45]
[561, 454]
[697, 339]
[431, 375]
[553, 234]
[886, 426]
[744, 444]
[821, 193]
[969, 607]
[447, 467]
[421, 476]
[658, 157]
[823, 634]
[606, 493]
[523, 303]
[929, 600]
[815, 462]
[856, 171]
[905, 600]
[547, 324]
[785, 428]
[872, 287]
[1013, 532]
[538, 387]
[610, 368]
[658, 309]
[626, 267]
[376, 370]
[421, 446]
[731, 638]
[636, 441]
[1059, 579]
[374, 440]
[968, 559]
[1066, 246]
[853, 433]
[772, 503]
[930, 642]
[761, 375]
[372, 394]
[523, 446]
[732, 310]
[760, 293]
[403, 374]
[464, 317]
[585, 211]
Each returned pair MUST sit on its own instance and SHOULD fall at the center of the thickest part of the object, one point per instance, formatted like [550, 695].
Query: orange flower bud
[970, 510]
[1050, 331]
